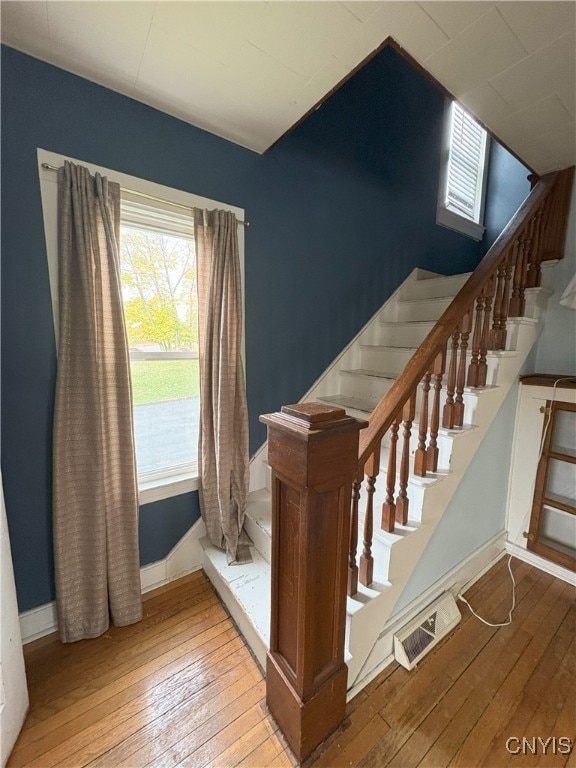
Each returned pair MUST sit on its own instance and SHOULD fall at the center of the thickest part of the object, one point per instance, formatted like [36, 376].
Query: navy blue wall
[341, 210]
[508, 187]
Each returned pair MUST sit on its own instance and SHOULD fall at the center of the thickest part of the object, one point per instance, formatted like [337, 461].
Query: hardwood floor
[181, 689]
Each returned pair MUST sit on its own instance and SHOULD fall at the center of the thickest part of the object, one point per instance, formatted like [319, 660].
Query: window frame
[445, 215]
[172, 482]
[160, 218]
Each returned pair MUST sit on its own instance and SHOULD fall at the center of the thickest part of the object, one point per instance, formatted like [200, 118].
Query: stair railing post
[353, 538]
[508, 267]
[474, 367]
[528, 262]
[432, 451]
[389, 505]
[516, 308]
[420, 458]
[488, 293]
[313, 452]
[534, 276]
[402, 500]
[372, 470]
[448, 411]
[495, 333]
[466, 327]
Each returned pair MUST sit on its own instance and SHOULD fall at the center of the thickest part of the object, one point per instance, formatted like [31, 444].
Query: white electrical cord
[511, 611]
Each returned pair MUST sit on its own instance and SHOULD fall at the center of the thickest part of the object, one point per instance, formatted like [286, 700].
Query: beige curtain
[223, 443]
[95, 489]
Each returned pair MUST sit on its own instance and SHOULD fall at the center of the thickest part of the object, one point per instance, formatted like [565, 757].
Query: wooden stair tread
[245, 589]
[370, 372]
[353, 403]
[439, 299]
[386, 346]
[407, 322]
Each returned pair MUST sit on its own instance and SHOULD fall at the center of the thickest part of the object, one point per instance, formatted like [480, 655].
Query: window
[158, 272]
[463, 174]
[158, 266]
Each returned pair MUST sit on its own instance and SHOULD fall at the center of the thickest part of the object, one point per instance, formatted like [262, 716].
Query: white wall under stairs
[357, 380]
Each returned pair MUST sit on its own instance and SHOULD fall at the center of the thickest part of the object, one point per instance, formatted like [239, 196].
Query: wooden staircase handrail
[319, 466]
[423, 358]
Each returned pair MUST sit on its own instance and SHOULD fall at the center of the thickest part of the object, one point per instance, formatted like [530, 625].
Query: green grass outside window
[154, 380]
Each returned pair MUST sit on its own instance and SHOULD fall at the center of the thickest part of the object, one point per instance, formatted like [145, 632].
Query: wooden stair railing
[318, 464]
[476, 318]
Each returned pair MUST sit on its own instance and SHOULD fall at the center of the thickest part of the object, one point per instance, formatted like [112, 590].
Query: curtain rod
[148, 197]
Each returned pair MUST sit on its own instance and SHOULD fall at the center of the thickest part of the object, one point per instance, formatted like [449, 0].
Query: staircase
[430, 371]
[358, 380]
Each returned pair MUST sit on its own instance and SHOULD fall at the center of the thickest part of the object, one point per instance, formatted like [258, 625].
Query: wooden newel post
[313, 452]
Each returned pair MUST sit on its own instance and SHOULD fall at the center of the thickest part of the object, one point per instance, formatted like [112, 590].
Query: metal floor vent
[422, 633]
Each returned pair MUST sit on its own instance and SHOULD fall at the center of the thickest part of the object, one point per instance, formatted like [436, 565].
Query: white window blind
[156, 216]
[466, 160]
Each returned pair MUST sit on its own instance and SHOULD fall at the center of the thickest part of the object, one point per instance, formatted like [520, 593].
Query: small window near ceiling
[463, 173]
[158, 273]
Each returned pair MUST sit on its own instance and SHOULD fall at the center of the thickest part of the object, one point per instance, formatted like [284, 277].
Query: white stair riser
[381, 555]
[444, 443]
[261, 538]
[364, 387]
[391, 359]
[536, 301]
[268, 472]
[416, 491]
[412, 334]
[513, 329]
[403, 334]
[429, 309]
[371, 389]
[434, 287]
[394, 359]
[339, 401]
[257, 521]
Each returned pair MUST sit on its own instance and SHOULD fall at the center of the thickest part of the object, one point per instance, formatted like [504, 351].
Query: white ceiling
[248, 71]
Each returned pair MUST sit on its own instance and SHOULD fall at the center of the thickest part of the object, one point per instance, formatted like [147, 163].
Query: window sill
[451, 220]
[165, 488]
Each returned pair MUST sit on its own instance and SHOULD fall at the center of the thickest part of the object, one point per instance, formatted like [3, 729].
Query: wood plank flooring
[181, 689]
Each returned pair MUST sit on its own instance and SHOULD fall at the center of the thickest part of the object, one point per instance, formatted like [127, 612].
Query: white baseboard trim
[458, 579]
[541, 563]
[184, 558]
[38, 622]
[369, 677]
